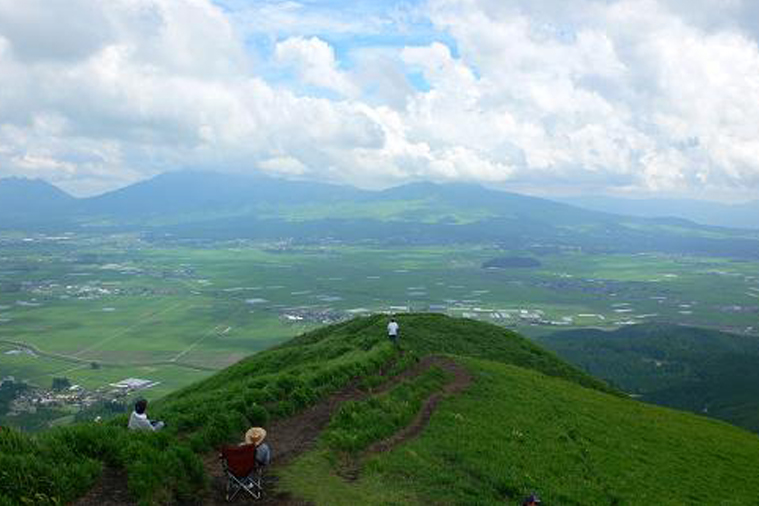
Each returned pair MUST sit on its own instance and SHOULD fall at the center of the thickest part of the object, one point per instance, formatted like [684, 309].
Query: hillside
[701, 370]
[30, 200]
[744, 215]
[192, 206]
[487, 419]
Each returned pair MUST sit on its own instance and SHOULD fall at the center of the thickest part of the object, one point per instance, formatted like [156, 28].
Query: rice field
[175, 313]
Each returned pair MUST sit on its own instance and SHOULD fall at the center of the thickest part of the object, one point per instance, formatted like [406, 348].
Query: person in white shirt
[393, 331]
[138, 420]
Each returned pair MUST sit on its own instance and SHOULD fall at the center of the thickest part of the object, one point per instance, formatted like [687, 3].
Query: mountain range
[204, 205]
[744, 215]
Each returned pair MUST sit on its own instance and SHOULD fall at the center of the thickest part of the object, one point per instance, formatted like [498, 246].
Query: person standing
[393, 331]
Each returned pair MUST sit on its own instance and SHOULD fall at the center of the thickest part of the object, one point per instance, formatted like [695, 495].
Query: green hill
[701, 370]
[522, 421]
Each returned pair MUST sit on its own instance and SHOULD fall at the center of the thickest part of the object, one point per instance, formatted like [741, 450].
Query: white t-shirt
[392, 329]
[139, 421]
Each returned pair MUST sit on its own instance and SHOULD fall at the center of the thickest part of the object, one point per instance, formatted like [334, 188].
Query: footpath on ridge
[292, 437]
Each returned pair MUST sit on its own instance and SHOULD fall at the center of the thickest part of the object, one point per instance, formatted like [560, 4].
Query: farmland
[100, 308]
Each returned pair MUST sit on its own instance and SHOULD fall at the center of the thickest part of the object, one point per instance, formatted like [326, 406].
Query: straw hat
[255, 436]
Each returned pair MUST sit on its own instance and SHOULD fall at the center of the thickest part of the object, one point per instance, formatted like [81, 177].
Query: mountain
[191, 206]
[744, 215]
[700, 370]
[464, 413]
[206, 192]
[32, 199]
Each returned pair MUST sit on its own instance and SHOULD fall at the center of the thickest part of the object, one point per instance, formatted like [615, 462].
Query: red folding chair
[241, 470]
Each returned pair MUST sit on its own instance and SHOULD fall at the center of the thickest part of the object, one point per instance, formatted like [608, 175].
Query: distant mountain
[704, 212]
[191, 205]
[32, 199]
[700, 370]
[195, 192]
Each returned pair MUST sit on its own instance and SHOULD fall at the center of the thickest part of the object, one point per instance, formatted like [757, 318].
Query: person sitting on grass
[531, 500]
[138, 420]
[255, 436]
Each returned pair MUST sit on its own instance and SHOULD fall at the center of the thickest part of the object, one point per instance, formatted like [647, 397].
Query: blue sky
[618, 97]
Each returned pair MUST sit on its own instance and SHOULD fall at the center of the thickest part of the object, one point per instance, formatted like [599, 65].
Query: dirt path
[110, 490]
[294, 436]
[461, 380]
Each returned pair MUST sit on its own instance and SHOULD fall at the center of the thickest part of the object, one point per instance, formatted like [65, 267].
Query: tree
[61, 383]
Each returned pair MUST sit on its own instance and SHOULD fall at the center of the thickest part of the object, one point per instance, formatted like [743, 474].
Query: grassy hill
[701, 370]
[527, 421]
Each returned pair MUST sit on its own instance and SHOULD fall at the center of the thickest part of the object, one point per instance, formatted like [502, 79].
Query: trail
[294, 436]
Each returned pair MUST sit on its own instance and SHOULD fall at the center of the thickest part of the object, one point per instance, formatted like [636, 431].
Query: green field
[174, 313]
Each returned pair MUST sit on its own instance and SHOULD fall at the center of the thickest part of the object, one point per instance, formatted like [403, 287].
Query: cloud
[630, 90]
[592, 95]
[170, 88]
[314, 62]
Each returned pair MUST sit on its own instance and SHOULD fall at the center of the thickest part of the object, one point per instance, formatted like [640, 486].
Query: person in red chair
[244, 464]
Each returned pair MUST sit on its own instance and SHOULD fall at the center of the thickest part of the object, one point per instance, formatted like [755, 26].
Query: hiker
[255, 436]
[138, 420]
[531, 500]
[393, 331]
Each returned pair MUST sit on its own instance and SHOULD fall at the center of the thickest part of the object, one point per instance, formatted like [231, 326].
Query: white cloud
[314, 61]
[621, 95]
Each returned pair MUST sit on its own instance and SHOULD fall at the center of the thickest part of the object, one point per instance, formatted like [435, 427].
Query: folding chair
[241, 470]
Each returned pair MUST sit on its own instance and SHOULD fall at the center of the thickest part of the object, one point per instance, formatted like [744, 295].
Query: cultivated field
[100, 309]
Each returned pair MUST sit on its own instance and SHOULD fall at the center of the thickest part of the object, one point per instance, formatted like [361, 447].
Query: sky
[548, 97]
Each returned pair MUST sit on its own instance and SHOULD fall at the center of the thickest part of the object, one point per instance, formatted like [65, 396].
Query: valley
[97, 309]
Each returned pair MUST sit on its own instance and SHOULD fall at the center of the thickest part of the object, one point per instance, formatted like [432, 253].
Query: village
[64, 395]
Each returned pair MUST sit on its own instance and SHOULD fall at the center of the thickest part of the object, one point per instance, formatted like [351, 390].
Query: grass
[516, 431]
[530, 422]
[277, 383]
[358, 424]
[695, 369]
[64, 463]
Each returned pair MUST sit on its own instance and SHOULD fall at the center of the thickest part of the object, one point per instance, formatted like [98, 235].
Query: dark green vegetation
[705, 371]
[528, 422]
[8, 392]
